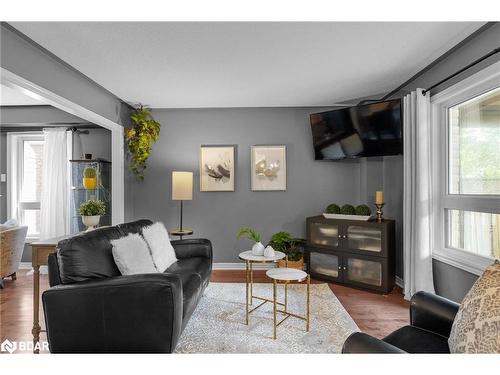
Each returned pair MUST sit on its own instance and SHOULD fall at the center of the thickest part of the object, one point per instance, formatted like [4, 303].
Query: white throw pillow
[162, 251]
[9, 224]
[132, 255]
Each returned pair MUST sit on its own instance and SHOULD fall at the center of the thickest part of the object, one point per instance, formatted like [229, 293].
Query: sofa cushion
[412, 339]
[88, 255]
[192, 287]
[476, 328]
[199, 265]
[132, 256]
[162, 252]
[133, 226]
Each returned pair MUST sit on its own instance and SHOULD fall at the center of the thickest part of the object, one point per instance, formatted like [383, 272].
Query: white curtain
[54, 193]
[417, 195]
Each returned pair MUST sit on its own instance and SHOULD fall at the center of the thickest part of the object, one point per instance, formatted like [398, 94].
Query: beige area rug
[218, 323]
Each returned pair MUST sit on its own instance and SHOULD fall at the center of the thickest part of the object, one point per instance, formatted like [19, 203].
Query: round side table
[250, 259]
[182, 232]
[285, 275]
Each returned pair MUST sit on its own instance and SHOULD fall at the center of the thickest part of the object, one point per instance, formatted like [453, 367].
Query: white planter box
[347, 217]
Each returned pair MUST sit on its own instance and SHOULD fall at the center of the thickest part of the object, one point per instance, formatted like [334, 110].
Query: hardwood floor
[374, 314]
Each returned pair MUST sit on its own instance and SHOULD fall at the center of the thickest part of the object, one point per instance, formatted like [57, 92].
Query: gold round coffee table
[250, 259]
[285, 275]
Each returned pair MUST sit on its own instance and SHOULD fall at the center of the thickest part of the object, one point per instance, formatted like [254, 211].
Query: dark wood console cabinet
[357, 253]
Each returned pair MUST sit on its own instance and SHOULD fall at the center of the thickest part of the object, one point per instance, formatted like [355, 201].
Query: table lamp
[182, 190]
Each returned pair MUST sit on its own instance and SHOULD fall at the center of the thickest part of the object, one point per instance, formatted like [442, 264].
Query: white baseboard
[25, 266]
[241, 266]
[399, 282]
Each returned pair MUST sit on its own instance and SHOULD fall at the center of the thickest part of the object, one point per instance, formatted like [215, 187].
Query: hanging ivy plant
[140, 139]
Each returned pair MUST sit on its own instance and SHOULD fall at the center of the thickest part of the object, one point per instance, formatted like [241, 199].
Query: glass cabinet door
[364, 271]
[324, 264]
[323, 234]
[364, 238]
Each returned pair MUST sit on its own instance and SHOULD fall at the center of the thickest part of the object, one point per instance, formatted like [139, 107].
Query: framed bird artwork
[217, 171]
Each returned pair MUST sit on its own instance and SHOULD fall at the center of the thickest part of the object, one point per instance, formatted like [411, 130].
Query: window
[25, 179]
[466, 171]
[474, 157]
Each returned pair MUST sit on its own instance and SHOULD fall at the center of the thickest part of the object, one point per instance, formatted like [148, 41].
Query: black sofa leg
[1, 283]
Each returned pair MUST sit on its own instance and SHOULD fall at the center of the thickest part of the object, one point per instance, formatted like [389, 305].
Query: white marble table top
[247, 255]
[286, 274]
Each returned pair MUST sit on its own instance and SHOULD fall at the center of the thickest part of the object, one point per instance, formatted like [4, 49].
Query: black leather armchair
[91, 308]
[431, 318]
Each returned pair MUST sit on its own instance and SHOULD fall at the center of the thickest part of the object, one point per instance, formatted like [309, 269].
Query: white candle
[379, 197]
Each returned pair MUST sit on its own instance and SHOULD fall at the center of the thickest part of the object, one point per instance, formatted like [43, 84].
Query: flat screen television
[360, 131]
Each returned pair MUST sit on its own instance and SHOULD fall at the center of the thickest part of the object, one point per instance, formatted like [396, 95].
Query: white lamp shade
[182, 186]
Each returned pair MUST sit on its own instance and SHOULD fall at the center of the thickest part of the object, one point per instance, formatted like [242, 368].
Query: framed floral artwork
[268, 168]
[217, 171]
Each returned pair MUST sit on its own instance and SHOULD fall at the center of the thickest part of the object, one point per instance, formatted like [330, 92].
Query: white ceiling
[10, 96]
[188, 65]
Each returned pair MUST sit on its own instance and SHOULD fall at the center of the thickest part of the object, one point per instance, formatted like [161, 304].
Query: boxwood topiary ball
[333, 209]
[363, 210]
[347, 209]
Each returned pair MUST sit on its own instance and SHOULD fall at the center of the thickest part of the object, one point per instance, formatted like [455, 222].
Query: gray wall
[385, 174]
[21, 118]
[21, 56]
[97, 143]
[476, 46]
[34, 115]
[218, 215]
[3, 185]
[451, 282]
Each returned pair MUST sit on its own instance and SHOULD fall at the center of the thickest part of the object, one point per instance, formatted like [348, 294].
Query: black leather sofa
[91, 308]
[431, 318]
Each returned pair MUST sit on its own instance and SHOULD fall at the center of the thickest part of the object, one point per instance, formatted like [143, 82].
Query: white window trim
[14, 173]
[483, 81]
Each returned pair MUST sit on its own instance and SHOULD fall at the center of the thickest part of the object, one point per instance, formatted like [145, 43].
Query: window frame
[473, 86]
[15, 175]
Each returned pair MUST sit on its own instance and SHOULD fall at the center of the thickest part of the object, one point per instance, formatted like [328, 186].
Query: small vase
[269, 252]
[91, 222]
[258, 249]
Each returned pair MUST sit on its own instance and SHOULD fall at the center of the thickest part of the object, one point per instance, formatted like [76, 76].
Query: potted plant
[252, 234]
[347, 211]
[292, 247]
[140, 138]
[89, 178]
[91, 212]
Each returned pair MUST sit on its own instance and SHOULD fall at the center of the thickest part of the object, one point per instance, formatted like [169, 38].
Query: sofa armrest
[197, 247]
[361, 343]
[133, 314]
[53, 266]
[433, 313]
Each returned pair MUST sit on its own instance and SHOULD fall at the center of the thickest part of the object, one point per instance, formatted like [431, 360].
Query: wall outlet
[3, 177]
